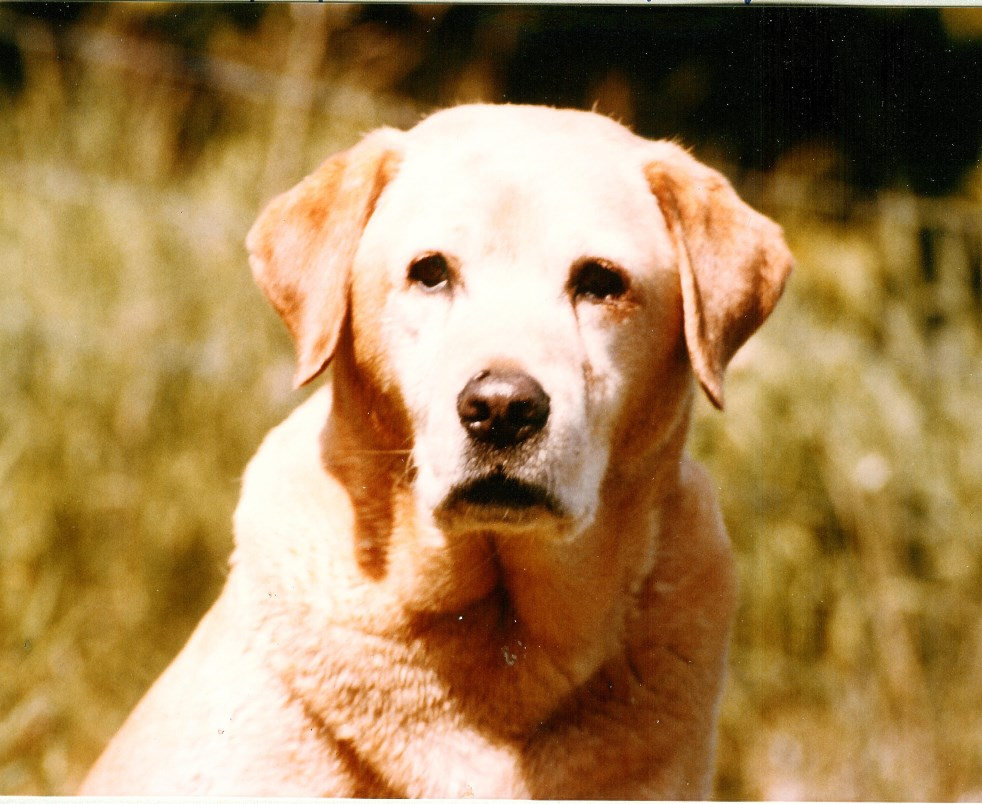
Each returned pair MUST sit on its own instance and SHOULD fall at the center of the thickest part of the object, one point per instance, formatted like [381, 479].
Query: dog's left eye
[432, 271]
[597, 280]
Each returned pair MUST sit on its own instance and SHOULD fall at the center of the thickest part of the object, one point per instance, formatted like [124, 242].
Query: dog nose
[502, 408]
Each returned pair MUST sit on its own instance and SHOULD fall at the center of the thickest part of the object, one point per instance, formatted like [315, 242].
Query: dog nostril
[502, 408]
[473, 411]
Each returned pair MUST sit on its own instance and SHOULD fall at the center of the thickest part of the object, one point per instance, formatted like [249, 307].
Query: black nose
[502, 408]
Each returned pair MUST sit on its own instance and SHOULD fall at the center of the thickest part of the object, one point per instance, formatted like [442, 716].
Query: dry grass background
[140, 368]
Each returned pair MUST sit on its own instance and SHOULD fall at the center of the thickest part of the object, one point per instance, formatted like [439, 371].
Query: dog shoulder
[698, 509]
[293, 445]
[289, 501]
[218, 722]
[691, 594]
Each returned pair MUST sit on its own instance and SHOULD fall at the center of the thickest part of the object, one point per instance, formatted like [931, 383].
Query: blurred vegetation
[140, 369]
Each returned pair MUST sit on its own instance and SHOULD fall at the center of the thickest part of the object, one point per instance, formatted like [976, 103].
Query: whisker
[377, 452]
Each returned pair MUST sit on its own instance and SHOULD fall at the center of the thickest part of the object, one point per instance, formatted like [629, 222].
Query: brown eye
[432, 271]
[597, 280]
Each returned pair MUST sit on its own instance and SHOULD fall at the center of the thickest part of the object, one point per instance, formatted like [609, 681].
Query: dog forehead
[537, 177]
[527, 142]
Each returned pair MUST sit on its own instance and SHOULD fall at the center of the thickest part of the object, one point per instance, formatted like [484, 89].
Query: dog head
[522, 291]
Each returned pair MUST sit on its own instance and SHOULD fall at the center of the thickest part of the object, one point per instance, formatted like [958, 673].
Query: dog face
[526, 289]
[505, 288]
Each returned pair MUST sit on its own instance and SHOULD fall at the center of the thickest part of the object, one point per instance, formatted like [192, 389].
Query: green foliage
[140, 369]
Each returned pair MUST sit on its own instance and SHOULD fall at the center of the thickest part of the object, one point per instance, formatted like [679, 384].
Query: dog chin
[499, 500]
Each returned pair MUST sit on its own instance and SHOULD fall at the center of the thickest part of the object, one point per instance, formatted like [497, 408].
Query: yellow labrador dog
[480, 563]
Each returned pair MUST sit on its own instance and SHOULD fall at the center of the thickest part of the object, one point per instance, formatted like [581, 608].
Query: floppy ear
[733, 261]
[302, 245]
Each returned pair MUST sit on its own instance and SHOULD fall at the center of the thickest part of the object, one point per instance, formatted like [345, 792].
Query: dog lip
[500, 491]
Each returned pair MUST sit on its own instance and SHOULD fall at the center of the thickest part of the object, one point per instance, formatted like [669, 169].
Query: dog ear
[733, 261]
[303, 244]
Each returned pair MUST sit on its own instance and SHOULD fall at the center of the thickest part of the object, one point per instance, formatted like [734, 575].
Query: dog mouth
[500, 496]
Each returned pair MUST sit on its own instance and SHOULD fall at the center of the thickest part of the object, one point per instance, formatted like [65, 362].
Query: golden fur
[383, 634]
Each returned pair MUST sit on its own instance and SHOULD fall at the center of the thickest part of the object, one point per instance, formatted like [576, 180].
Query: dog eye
[432, 271]
[597, 280]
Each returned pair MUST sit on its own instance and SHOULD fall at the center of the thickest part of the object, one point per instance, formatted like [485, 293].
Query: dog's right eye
[597, 280]
[432, 271]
